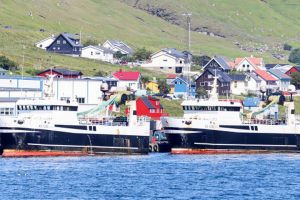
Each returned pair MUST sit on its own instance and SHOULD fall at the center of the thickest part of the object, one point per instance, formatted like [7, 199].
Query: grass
[101, 20]
[172, 107]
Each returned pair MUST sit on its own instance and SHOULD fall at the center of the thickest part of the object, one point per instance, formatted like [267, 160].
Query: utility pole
[188, 20]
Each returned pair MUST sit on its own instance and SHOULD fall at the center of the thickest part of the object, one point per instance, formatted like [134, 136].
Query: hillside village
[243, 76]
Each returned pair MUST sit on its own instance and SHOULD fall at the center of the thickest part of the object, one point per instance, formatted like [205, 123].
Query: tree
[7, 64]
[200, 60]
[287, 47]
[90, 42]
[295, 56]
[163, 87]
[296, 80]
[144, 80]
[201, 92]
[141, 54]
[118, 55]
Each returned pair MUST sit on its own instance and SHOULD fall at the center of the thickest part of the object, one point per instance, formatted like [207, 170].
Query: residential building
[150, 107]
[66, 43]
[128, 80]
[269, 82]
[274, 66]
[292, 70]
[152, 85]
[283, 80]
[249, 64]
[251, 103]
[43, 44]
[205, 80]
[183, 88]
[98, 53]
[170, 78]
[218, 62]
[168, 60]
[238, 84]
[118, 46]
[60, 73]
[254, 84]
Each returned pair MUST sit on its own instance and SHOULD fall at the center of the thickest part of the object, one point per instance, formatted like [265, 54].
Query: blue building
[66, 43]
[181, 87]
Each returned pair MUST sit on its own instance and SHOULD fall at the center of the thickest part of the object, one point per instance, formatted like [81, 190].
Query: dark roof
[297, 68]
[237, 77]
[255, 77]
[148, 103]
[64, 72]
[222, 61]
[175, 53]
[71, 38]
[222, 76]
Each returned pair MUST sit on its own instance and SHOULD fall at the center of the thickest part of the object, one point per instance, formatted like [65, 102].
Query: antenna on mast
[189, 59]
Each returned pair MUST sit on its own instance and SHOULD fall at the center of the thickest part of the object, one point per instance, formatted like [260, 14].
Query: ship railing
[265, 121]
[104, 122]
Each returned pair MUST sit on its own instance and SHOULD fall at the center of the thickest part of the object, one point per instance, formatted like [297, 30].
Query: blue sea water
[153, 176]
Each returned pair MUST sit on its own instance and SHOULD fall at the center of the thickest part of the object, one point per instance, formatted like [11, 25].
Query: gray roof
[175, 53]
[222, 61]
[121, 45]
[147, 102]
[237, 77]
[222, 76]
[71, 38]
[255, 77]
[279, 74]
[105, 50]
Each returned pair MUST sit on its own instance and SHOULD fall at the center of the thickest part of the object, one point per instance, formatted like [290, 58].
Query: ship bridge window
[7, 111]
[229, 108]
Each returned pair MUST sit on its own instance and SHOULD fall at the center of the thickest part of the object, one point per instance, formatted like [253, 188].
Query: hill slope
[101, 20]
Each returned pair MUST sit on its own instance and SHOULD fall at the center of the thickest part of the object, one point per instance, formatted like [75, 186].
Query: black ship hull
[27, 142]
[216, 141]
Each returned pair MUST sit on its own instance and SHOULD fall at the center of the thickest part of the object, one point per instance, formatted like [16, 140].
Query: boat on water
[51, 127]
[214, 126]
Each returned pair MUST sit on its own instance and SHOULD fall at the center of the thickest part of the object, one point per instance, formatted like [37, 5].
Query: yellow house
[152, 86]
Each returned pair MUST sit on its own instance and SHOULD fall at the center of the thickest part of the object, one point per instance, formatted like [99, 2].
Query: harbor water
[153, 176]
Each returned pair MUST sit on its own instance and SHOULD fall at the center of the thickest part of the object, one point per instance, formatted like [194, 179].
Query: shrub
[295, 56]
[287, 47]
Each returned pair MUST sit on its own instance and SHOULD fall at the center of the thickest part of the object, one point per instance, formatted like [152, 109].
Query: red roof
[127, 76]
[265, 75]
[171, 76]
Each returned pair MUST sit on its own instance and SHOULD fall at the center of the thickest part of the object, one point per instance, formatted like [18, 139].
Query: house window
[58, 48]
[175, 82]
[64, 42]
[202, 84]
[97, 53]
[80, 99]
[152, 110]
[244, 65]
[165, 60]
[180, 62]
[75, 49]
[41, 45]
[235, 84]
[53, 48]
[170, 67]
[58, 41]
[161, 67]
[91, 53]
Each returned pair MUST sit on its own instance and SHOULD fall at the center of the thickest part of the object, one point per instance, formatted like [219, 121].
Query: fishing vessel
[213, 126]
[51, 127]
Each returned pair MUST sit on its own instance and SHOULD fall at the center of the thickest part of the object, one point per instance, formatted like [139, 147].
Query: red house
[149, 106]
[293, 70]
[60, 73]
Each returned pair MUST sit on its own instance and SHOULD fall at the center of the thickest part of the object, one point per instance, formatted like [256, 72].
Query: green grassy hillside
[99, 20]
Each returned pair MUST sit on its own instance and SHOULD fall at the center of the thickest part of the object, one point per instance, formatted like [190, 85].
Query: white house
[238, 84]
[97, 53]
[43, 44]
[249, 64]
[116, 45]
[168, 60]
[254, 84]
[128, 80]
[268, 81]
